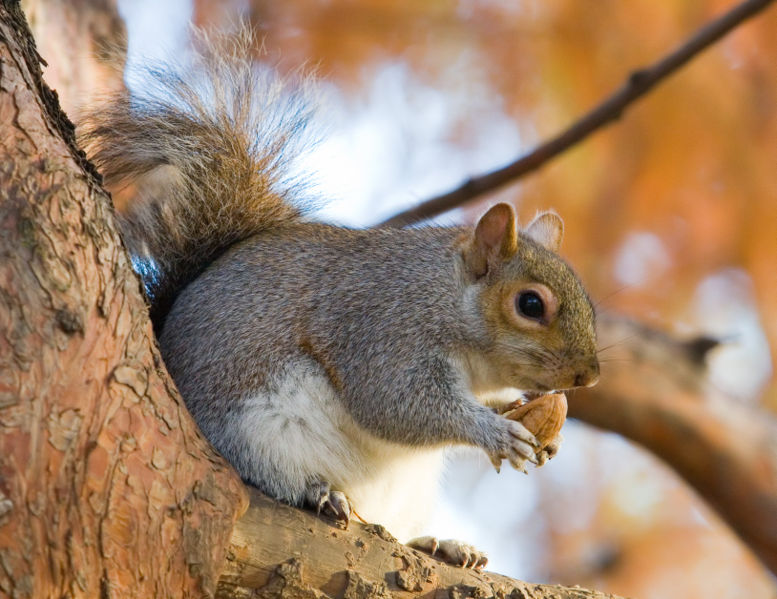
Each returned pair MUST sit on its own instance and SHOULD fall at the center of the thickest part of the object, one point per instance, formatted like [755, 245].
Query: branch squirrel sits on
[329, 366]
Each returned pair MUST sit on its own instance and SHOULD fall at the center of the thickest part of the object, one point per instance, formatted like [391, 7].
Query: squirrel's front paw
[322, 498]
[451, 551]
[517, 446]
[544, 416]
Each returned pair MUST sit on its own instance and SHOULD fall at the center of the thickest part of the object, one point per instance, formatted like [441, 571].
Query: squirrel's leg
[287, 438]
[451, 551]
[434, 406]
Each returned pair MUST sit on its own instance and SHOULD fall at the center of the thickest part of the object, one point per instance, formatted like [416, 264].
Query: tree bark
[107, 489]
[300, 555]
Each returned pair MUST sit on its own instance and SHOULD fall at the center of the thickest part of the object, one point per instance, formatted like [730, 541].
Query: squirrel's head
[539, 318]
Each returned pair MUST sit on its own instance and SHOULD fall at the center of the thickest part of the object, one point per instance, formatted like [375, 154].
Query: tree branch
[282, 552]
[640, 82]
[655, 392]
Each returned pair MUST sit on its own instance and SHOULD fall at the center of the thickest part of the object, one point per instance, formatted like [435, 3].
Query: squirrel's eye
[530, 305]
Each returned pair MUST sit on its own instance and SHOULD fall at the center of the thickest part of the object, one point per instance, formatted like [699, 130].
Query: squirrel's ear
[547, 229]
[495, 239]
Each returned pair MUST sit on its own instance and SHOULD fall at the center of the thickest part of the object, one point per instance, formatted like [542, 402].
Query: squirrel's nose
[588, 377]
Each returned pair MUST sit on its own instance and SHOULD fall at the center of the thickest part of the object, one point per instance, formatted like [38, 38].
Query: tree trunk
[107, 489]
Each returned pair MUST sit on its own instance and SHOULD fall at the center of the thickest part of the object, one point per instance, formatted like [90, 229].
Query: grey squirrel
[330, 366]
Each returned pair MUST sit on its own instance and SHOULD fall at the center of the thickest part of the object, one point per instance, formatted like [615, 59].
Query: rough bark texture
[107, 488]
[278, 551]
[654, 391]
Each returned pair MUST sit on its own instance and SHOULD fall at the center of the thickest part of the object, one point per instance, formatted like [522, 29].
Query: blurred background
[671, 218]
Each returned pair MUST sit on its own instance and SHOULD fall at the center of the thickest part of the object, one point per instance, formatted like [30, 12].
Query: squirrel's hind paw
[451, 551]
[335, 504]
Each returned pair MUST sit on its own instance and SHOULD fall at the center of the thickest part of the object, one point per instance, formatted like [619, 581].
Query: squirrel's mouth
[536, 390]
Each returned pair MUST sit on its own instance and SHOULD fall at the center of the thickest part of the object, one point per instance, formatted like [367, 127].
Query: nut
[543, 416]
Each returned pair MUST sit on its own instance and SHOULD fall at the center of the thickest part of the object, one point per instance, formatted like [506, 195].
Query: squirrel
[330, 366]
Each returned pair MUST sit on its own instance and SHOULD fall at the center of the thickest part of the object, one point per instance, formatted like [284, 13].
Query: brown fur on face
[554, 353]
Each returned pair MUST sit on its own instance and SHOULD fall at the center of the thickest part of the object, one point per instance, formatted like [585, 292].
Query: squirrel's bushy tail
[206, 147]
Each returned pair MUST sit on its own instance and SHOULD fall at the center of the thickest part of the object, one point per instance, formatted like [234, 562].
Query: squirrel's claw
[333, 503]
[519, 464]
[496, 462]
[338, 506]
[522, 448]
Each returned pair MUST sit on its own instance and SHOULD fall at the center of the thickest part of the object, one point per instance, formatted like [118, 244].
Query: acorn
[543, 416]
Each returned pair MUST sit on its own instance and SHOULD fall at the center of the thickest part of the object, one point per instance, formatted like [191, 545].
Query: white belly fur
[303, 430]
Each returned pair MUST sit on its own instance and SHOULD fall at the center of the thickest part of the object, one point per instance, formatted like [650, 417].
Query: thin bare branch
[639, 82]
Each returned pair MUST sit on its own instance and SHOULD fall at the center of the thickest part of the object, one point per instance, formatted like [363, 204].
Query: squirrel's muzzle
[588, 377]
